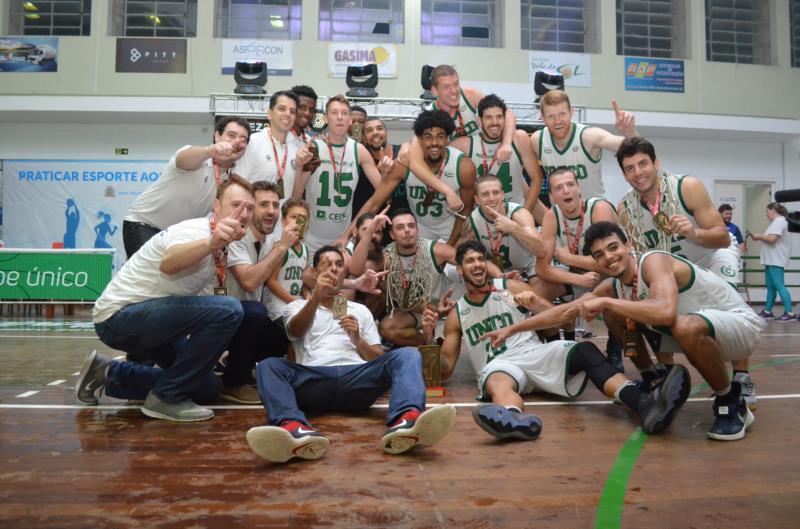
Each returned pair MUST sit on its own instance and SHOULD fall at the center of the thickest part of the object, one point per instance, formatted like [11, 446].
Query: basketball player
[302, 132]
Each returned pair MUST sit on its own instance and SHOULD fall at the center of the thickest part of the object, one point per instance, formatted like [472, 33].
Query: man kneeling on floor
[490, 320]
[340, 365]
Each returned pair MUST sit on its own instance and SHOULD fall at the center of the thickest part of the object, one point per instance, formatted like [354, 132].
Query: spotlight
[425, 81]
[362, 80]
[546, 80]
[250, 77]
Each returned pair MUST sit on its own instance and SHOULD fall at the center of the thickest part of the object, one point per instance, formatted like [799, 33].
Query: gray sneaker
[92, 378]
[184, 411]
[748, 389]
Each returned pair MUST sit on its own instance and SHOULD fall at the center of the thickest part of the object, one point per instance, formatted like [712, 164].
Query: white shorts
[736, 331]
[543, 368]
[724, 262]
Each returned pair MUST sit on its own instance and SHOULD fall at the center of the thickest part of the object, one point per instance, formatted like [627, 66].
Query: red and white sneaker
[415, 427]
[291, 439]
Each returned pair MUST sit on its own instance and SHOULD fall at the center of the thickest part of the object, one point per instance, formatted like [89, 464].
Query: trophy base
[435, 391]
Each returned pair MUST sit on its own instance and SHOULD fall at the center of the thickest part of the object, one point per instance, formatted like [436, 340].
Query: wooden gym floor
[64, 465]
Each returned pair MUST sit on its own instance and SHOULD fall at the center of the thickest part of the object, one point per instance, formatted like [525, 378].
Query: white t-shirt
[243, 252]
[140, 279]
[178, 195]
[326, 343]
[780, 252]
[258, 161]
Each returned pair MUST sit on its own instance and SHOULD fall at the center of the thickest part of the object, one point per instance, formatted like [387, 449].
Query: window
[560, 25]
[53, 17]
[737, 31]
[154, 18]
[361, 20]
[794, 23]
[462, 23]
[258, 19]
[651, 28]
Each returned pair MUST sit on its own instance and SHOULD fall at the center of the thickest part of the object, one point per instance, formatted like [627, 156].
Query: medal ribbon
[494, 243]
[333, 159]
[572, 243]
[486, 168]
[282, 166]
[654, 208]
[439, 176]
[403, 277]
[629, 323]
[460, 130]
[220, 257]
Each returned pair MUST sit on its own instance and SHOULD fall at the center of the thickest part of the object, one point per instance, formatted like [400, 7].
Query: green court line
[612, 499]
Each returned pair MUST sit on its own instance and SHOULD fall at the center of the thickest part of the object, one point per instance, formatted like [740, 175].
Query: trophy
[302, 224]
[339, 309]
[357, 131]
[431, 365]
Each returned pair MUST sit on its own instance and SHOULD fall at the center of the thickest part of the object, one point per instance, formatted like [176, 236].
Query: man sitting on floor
[340, 366]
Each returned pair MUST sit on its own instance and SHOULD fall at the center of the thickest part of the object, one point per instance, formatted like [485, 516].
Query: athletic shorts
[736, 331]
[724, 262]
[543, 368]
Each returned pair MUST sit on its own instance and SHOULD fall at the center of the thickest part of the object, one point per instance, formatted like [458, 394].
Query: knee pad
[590, 354]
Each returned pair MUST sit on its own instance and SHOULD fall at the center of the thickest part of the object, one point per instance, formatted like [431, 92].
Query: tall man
[675, 214]
[329, 189]
[340, 366]
[575, 145]
[453, 169]
[157, 299]
[482, 147]
[302, 132]
[187, 186]
[680, 307]
[490, 323]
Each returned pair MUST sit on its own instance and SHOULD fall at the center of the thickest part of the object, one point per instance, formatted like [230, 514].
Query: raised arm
[466, 172]
[711, 232]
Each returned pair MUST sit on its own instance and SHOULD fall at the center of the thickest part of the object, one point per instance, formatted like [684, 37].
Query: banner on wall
[575, 67]
[276, 53]
[72, 203]
[344, 54]
[151, 55]
[654, 75]
[28, 54]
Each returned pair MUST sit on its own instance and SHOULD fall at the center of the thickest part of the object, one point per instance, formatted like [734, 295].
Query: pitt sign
[343, 54]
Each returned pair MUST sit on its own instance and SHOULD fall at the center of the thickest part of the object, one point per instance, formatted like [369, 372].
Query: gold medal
[302, 224]
[357, 130]
[662, 221]
[281, 190]
[220, 291]
[497, 259]
[339, 308]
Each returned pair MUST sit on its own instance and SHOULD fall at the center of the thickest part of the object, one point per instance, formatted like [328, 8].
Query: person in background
[776, 251]
[726, 210]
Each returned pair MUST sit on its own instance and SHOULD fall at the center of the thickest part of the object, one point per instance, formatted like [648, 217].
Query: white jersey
[243, 252]
[290, 278]
[259, 161]
[509, 173]
[515, 255]
[576, 156]
[141, 279]
[572, 224]
[465, 120]
[434, 221]
[494, 312]
[178, 195]
[329, 193]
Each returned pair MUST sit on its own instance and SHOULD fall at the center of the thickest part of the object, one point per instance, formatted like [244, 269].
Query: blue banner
[654, 75]
[28, 54]
[72, 203]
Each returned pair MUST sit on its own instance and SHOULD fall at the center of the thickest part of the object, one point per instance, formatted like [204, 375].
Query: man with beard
[678, 306]
[329, 189]
[575, 145]
[187, 186]
[456, 171]
[301, 132]
[675, 214]
[341, 366]
[251, 262]
[159, 307]
[482, 147]
[375, 139]
[490, 323]
[269, 155]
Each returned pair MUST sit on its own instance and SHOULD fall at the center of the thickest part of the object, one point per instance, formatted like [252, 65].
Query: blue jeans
[775, 285]
[256, 339]
[157, 330]
[286, 387]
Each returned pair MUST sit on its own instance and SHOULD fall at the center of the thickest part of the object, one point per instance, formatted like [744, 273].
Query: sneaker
[748, 389]
[766, 315]
[506, 424]
[184, 411]
[245, 394]
[415, 427]
[291, 439]
[732, 418]
[92, 378]
[658, 408]
[651, 379]
[787, 316]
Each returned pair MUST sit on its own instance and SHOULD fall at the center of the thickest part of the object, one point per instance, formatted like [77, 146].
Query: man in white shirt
[187, 186]
[340, 366]
[157, 300]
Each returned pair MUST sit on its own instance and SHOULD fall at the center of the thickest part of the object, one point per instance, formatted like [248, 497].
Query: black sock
[630, 396]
